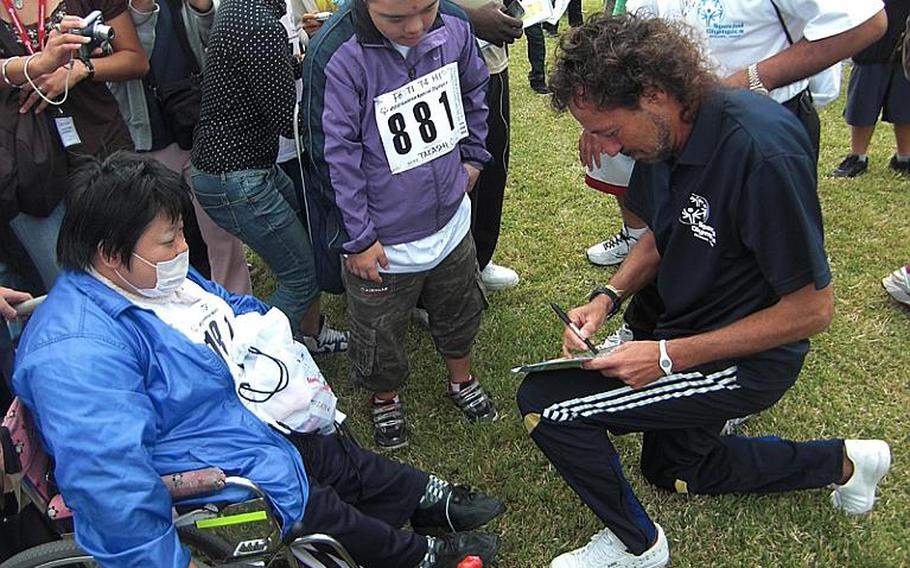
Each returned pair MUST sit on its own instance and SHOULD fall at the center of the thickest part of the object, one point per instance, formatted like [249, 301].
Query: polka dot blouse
[248, 92]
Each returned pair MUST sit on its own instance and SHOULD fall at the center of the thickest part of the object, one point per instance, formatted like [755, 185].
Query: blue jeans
[38, 236]
[260, 208]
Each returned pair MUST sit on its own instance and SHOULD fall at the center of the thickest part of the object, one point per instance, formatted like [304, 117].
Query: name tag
[422, 120]
[66, 128]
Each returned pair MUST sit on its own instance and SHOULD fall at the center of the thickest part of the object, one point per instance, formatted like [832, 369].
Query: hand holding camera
[99, 34]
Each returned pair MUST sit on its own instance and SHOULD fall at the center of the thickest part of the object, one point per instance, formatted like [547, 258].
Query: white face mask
[169, 275]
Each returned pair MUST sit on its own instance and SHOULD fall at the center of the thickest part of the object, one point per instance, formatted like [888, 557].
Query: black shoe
[540, 87]
[474, 402]
[900, 167]
[389, 429]
[447, 551]
[852, 166]
[460, 509]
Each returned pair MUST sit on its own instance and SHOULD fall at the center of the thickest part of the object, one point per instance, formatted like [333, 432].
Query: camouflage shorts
[378, 316]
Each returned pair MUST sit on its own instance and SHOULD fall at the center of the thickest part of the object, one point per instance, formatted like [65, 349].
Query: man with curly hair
[726, 182]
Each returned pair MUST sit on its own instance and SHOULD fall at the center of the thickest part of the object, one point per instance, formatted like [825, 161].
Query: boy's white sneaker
[871, 461]
[496, 277]
[605, 550]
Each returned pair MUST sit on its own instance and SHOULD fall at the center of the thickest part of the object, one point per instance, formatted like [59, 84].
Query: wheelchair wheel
[207, 549]
[51, 554]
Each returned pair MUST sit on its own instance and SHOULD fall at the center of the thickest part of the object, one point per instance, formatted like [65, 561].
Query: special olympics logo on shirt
[711, 12]
[695, 216]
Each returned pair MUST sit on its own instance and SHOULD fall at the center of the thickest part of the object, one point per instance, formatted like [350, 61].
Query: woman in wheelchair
[126, 372]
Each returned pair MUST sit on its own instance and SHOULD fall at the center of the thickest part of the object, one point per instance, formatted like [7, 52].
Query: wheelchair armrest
[191, 483]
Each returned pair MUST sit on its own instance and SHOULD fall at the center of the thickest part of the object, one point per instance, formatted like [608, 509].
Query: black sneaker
[474, 402]
[389, 428]
[461, 509]
[447, 551]
[901, 167]
[540, 87]
[850, 167]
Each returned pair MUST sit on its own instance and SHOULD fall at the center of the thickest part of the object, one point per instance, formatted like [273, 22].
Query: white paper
[422, 120]
[536, 11]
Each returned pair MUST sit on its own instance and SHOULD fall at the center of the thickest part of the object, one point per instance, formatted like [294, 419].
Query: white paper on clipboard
[536, 11]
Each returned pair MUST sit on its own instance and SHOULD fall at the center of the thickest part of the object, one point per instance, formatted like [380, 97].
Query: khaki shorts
[378, 316]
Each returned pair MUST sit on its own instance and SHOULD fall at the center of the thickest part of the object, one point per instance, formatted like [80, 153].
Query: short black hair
[111, 202]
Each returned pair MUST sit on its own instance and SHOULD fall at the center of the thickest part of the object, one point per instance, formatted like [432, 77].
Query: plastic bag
[280, 382]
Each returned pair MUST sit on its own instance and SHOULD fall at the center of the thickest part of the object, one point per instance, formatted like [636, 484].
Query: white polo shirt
[739, 33]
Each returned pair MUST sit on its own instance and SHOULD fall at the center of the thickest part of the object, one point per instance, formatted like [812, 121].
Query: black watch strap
[611, 293]
[90, 67]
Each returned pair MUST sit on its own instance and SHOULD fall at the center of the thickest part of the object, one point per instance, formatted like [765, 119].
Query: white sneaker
[871, 461]
[613, 250]
[497, 277]
[622, 334]
[605, 550]
[898, 285]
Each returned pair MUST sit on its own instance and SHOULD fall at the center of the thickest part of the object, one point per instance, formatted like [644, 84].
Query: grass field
[856, 382]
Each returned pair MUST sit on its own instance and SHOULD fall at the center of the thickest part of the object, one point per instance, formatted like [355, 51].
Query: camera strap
[20, 29]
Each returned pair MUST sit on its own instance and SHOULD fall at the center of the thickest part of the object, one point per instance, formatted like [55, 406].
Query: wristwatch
[666, 364]
[612, 293]
[755, 82]
[89, 67]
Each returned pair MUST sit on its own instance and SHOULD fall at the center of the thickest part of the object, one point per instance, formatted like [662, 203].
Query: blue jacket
[121, 398]
[348, 64]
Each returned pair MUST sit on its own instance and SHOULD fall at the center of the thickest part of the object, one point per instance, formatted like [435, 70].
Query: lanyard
[20, 29]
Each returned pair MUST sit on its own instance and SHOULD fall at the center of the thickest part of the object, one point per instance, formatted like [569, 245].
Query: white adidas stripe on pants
[677, 385]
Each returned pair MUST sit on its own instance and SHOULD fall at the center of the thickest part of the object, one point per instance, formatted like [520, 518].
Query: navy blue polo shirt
[736, 217]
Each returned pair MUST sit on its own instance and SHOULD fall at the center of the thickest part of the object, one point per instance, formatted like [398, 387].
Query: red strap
[20, 29]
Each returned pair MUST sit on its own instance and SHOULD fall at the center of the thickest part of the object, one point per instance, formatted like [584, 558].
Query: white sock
[634, 233]
[863, 157]
[901, 158]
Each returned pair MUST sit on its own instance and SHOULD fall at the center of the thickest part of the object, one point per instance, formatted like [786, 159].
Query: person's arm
[492, 24]
[473, 77]
[637, 270]
[128, 61]
[268, 70]
[796, 316]
[58, 50]
[88, 398]
[198, 17]
[807, 57]
[8, 298]
[332, 116]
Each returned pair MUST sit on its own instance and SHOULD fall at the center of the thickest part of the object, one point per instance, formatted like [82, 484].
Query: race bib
[422, 120]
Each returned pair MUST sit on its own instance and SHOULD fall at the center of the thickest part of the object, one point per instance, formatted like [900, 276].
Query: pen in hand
[574, 328]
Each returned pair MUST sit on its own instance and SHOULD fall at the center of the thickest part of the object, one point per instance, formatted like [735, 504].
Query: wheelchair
[27, 471]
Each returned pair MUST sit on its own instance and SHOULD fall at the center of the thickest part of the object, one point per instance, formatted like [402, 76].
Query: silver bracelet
[5, 76]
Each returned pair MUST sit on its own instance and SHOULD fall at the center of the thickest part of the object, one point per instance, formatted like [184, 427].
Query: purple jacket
[348, 64]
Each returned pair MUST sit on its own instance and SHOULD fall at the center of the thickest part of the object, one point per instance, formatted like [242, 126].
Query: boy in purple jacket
[395, 120]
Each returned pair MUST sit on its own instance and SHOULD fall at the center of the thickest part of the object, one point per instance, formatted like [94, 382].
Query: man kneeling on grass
[129, 373]
[726, 182]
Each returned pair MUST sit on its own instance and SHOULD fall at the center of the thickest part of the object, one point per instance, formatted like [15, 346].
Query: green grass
[855, 382]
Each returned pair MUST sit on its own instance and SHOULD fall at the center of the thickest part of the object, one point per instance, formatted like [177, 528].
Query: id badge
[66, 128]
[422, 120]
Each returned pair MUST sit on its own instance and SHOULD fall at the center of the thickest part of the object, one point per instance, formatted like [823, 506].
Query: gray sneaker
[328, 340]
[622, 334]
[474, 402]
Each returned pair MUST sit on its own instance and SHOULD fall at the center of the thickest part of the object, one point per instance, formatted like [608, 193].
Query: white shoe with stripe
[605, 550]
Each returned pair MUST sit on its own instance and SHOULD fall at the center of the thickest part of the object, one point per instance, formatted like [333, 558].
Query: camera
[100, 34]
